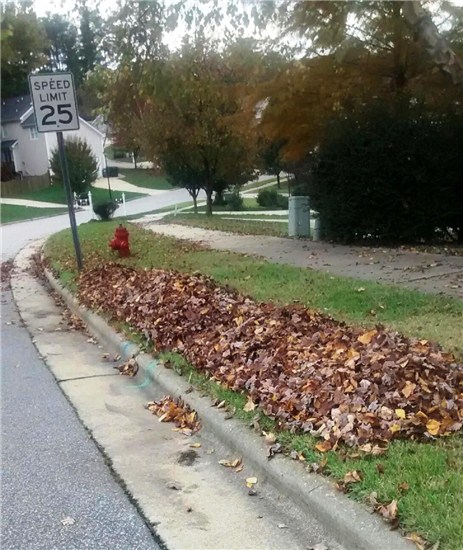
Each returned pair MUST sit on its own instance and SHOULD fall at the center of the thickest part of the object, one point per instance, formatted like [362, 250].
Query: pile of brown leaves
[5, 273]
[305, 369]
[175, 410]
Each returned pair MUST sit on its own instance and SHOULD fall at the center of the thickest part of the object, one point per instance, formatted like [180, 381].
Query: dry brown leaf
[419, 541]
[250, 405]
[433, 427]
[352, 477]
[389, 511]
[367, 337]
[251, 481]
[324, 446]
[270, 438]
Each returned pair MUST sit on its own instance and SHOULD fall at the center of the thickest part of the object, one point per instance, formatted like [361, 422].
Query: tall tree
[434, 42]
[90, 37]
[355, 51]
[63, 45]
[24, 43]
[199, 116]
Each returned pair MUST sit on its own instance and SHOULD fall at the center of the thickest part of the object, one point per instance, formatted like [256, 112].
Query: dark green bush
[270, 198]
[300, 190]
[391, 173]
[105, 210]
[235, 201]
[82, 165]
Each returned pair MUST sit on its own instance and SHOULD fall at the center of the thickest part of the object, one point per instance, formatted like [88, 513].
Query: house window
[3, 132]
[33, 132]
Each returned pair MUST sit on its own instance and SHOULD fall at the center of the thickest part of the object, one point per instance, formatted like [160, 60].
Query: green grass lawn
[56, 194]
[248, 227]
[15, 213]
[249, 204]
[432, 501]
[143, 177]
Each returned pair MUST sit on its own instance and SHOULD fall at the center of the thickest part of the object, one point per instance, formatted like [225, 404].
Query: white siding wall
[30, 155]
[87, 132]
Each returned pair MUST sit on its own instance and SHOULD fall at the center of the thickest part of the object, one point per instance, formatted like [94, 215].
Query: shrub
[300, 190]
[82, 165]
[235, 201]
[391, 172]
[105, 210]
[270, 198]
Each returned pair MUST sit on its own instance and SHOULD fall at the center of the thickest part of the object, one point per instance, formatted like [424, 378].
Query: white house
[27, 152]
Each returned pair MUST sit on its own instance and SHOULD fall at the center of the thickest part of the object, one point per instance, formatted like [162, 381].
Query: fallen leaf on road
[130, 368]
[282, 526]
[176, 411]
[68, 521]
[273, 450]
[251, 481]
[230, 463]
[195, 445]
[270, 438]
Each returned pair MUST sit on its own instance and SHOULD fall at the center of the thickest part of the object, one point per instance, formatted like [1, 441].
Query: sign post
[55, 109]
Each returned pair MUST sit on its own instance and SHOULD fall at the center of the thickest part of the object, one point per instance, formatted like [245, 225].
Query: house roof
[29, 122]
[13, 108]
[8, 143]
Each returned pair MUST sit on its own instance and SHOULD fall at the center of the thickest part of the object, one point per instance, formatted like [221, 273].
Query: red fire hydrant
[120, 242]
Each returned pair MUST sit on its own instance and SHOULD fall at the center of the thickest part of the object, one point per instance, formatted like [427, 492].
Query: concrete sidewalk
[431, 273]
[120, 185]
[34, 204]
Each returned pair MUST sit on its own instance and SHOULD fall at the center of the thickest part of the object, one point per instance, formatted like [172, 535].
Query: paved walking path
[118, 184]
[35, 204]
[433, 273]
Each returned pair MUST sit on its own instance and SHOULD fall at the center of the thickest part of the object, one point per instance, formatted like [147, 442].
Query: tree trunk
[208, 202]
[420, 22]
[278, 180]
[194, 195]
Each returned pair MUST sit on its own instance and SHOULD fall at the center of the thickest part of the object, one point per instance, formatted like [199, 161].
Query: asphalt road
[52, 472]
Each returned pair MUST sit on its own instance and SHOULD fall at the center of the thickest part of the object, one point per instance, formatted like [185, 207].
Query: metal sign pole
[67, 187]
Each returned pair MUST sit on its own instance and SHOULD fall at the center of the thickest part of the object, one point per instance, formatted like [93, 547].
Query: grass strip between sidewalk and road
[17, 213]
[425, 478]
[248, 226]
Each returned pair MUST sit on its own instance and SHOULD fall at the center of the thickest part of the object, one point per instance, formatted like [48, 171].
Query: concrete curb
[349, 522]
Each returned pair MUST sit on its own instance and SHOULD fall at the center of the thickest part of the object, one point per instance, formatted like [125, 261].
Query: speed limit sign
[54, 101]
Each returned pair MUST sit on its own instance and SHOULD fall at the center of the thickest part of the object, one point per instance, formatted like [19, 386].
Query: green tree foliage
[391, 172]
[23, 46]
[271, 157]
[82, 165]
[62, 54]
[91, 31]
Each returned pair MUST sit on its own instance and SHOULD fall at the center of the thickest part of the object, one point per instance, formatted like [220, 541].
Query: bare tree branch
[421, 23]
